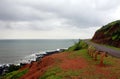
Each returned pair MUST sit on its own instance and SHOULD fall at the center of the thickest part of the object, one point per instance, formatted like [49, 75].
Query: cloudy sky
[55, 19]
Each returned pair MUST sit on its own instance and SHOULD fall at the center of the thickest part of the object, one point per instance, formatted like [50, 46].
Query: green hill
[108, 34]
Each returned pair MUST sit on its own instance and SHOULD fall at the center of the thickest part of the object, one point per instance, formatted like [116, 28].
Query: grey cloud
[37, 13]
[79, 13]
[11, 10]
[106, 4]
[26, 25]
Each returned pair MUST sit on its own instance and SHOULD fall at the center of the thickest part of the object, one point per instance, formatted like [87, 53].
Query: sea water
[15, 51]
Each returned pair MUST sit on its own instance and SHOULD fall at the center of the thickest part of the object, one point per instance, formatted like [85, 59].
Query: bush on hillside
[13, 68]
[15, 74]
[77, 46]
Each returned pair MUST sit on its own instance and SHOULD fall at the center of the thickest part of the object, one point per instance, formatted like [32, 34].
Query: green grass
[52, 73]
[58, 73]
[114, 37]
[15, 74]
[84, 54]
[77, 46]
[110, 62]
[89, 72]
[80, 53]
[106, 27]
[71, 73]
[111, 31]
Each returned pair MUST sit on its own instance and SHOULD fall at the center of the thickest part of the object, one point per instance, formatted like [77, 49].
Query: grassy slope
[108, 34]
[15, 74]
[107, 29]
[77, 46]
[92, 71]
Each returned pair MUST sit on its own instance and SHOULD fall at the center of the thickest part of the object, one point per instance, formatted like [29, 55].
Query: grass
[15, 74]
[52, 73]
[77, 46]
[92, 71]
[111, 63]
[58, 73]
[82, 53]
[106, 27]
[89, 72]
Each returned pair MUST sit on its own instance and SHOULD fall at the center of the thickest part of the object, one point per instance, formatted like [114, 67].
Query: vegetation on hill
[13, 68]
[14, 74]
[88, 69]
[68, 67]
[108, 34]
[77, 46]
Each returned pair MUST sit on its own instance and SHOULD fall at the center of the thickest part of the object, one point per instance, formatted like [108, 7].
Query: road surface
[110, 51]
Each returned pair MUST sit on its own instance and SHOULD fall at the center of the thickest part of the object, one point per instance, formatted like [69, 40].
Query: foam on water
[19, 51]
[31, 57]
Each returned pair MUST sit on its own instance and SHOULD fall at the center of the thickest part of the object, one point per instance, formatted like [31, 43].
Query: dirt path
[113, 52]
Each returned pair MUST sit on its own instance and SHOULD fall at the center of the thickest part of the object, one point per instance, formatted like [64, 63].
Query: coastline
[4, 68]
[15, 51]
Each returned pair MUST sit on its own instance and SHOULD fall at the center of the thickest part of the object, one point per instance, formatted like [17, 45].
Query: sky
[55, 19]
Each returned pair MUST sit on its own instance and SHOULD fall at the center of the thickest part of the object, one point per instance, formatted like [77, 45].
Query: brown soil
[36, 69]
[74, 64]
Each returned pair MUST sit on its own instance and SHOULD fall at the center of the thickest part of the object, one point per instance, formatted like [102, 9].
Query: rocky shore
[6, 68]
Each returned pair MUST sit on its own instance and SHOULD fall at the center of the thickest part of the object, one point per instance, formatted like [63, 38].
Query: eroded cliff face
[108, 34]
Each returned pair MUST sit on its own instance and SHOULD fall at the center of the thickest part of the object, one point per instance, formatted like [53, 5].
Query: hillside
[74, 63]
[108, 34]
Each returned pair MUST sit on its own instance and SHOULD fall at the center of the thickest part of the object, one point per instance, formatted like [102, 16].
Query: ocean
[16, 51]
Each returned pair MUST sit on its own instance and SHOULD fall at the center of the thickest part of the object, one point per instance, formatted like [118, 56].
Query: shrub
[13, 68]
[77, 46]
[15, 74]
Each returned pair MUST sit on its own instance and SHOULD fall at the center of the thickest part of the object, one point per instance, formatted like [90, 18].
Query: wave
[35, 56]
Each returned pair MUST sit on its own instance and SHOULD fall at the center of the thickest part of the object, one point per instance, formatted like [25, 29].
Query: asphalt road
[110, 51]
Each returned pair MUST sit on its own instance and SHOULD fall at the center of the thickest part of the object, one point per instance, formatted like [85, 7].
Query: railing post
[89, 51]
[95, 56]
[103, 54]
[92, 53]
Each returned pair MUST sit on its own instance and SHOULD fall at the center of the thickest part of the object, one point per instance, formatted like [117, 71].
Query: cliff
[108, 34]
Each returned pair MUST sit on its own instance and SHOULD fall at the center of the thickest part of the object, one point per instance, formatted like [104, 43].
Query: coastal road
[110, 51]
